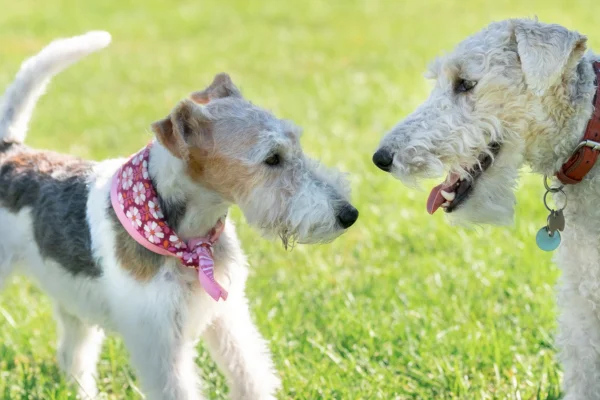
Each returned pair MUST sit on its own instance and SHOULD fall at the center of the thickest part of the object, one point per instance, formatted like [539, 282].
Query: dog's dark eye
[465, 85]
[273, 160]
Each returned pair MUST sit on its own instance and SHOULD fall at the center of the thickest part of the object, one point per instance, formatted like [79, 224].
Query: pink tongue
[435, 199]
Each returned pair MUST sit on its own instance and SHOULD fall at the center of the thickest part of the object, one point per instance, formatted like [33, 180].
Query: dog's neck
[201, 208]
[552, 139]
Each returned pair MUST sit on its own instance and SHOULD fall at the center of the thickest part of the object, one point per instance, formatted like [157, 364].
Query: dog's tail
[30, 83]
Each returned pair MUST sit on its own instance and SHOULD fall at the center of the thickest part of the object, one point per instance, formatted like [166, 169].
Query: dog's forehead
[239, 114]
[475, 54]
[492, 37]
[278, 133]
[249, 132]
[458, 64]
[266, 127]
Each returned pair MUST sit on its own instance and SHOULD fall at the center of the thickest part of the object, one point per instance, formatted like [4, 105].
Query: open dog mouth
[455, 191]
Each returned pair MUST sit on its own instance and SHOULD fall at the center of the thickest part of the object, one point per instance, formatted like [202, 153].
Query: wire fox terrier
[517, 92]
[111, 241]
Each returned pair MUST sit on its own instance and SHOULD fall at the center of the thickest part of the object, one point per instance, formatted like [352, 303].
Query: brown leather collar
[585, 155]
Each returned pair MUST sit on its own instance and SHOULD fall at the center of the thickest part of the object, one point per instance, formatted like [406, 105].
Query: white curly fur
[534, 94]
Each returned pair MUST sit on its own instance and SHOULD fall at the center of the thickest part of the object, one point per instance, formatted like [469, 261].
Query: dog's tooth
[448, 196]
[445, 204]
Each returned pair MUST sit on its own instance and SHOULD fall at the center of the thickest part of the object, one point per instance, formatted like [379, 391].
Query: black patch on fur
[143, 262]
[6, 145]
[55, 187]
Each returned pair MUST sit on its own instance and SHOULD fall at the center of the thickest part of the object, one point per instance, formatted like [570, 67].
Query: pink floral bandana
[135, 202]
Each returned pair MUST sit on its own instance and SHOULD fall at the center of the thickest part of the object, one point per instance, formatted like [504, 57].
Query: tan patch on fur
[139, 262]
[229, 178]
[187, 123]
[43, 162]
[221, 87]
[139, 270]
[23, 171]
[166, 135]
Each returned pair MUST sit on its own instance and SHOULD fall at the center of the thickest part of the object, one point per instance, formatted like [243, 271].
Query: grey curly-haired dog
[518, 92]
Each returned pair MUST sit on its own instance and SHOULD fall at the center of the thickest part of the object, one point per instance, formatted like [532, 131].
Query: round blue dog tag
[546, 241]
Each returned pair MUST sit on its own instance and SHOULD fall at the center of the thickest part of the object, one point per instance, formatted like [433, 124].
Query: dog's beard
[310, 223]
[309, 233]
[291, 236]
[492, 200]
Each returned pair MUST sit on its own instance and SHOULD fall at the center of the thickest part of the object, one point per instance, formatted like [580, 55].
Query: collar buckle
[587, 143]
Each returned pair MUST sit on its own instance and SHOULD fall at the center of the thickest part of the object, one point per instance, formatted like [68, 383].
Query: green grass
[403, 306]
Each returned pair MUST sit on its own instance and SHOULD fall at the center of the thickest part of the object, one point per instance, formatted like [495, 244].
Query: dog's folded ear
[221, 87]
[547, 52]
[188, 125]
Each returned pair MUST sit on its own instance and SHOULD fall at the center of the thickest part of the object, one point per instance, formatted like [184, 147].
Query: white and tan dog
[56, 221]
[517, 92]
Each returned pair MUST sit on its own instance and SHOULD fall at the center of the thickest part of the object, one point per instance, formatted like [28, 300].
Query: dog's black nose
[347, 215]
[383, 158]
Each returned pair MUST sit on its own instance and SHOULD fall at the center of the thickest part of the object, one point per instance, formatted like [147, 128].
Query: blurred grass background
[401, 307]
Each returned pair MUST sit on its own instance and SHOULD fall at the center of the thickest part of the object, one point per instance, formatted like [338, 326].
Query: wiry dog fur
[216, 150]
[533, 94]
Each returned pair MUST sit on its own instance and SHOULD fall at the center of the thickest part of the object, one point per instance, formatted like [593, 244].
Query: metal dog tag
[556, 221]
[548, 237]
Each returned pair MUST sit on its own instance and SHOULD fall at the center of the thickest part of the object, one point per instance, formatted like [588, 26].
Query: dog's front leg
[163, 357]
[242, 354]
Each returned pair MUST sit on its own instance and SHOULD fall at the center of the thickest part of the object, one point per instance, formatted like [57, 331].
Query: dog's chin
[318, 235]
[289, 238]
[407, 180]
[323, 237]
[491, 201]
